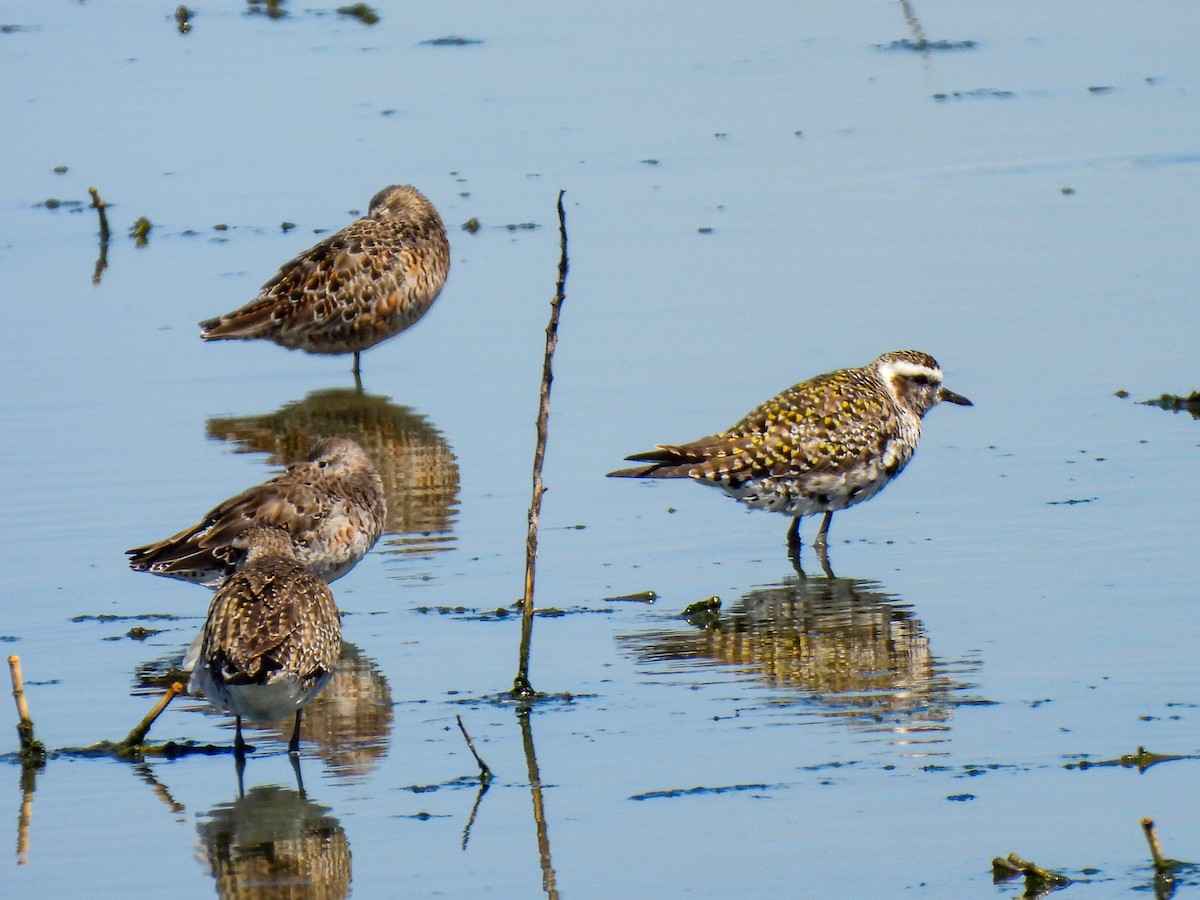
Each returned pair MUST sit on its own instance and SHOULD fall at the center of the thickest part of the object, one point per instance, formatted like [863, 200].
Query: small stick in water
[136, 737]
[32, 749]
[1162, 867]
[522, 689]
[102, 260]
[485, 772]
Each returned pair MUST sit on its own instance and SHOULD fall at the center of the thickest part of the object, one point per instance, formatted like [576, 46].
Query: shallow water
[751, 200]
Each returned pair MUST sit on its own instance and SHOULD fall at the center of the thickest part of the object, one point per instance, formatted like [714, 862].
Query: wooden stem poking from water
[137, 737]
[102, 261]
[32, 750]
[521, 685]
[1162, 867]
[485, 772]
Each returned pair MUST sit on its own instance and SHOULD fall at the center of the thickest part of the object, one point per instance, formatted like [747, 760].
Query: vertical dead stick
[485, 773]
[1161, 866]
[18, 688]
[31, 748]
[102, 260]
[138, 735]
[99, 205]
[521, 685]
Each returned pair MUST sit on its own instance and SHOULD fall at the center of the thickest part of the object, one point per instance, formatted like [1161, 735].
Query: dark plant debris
[1142, 760]
[924, 46]
[977, 94]
[450, 41]
[1176, 403]
[272, 9]
[143, 617]
[1038, 881]
[140, 232]
[639, 597]
[688, 792]
[359, 11]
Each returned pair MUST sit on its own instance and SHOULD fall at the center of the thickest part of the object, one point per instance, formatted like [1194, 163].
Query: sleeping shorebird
[332, 505]
[365, 284]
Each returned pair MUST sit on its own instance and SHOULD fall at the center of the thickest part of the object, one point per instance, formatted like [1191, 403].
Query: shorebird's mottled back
[367, 283]
[272, 637]
[332, 504]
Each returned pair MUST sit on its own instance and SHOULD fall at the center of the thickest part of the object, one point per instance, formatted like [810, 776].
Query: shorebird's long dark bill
[950, 397]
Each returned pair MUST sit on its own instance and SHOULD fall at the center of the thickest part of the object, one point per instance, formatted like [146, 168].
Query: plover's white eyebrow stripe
[911, 369]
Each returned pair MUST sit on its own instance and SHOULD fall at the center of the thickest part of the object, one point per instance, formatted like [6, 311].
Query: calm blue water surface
[754, 195]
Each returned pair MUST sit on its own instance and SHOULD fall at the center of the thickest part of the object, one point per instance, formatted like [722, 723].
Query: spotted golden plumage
[272, 637]
[822, 445]
[332, 504]
[365, 284]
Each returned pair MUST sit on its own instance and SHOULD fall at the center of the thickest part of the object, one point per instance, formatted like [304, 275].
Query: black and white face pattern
[915, 381]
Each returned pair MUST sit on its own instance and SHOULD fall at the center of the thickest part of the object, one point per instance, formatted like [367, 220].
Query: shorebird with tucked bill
[367, 283]
[332, 505]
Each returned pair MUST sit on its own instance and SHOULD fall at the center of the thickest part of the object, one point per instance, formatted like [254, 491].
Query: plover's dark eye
[921, 379]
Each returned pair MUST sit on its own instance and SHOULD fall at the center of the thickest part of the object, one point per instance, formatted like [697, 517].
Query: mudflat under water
[752, 198]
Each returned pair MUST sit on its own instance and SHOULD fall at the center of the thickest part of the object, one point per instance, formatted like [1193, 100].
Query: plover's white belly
[827, 491]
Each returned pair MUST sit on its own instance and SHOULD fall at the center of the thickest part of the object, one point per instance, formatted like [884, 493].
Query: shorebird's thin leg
[357, 370]
[239, 744]
[823, 534]
[793, 537]
[239, 754]
[294, 743]
[793, 546]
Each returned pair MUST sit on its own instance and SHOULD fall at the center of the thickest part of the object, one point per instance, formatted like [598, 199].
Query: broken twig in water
[32, 750]
[137, 737]
[521, 686]
[1163, 868]
[485, 772]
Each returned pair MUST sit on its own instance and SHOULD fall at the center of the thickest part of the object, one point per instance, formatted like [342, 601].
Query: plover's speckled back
[332, 505]
[822, 445]
[363, 285]
[272, 637]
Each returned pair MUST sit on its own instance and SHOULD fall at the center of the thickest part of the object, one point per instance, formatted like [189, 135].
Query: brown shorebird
[363, 285]
[272, 637]
[820, 446]
[332, 505]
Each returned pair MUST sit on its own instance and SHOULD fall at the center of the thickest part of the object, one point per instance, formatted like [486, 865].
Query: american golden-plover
[820, 446]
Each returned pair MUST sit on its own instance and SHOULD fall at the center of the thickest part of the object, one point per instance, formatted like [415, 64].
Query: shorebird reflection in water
[332, 504]
[271, 640]
[367, 283]
[820, 446]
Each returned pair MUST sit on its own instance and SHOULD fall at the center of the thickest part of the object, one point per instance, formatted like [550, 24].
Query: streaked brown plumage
[332, 505]
[822, 445]
[272, 637]
[365, 284]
